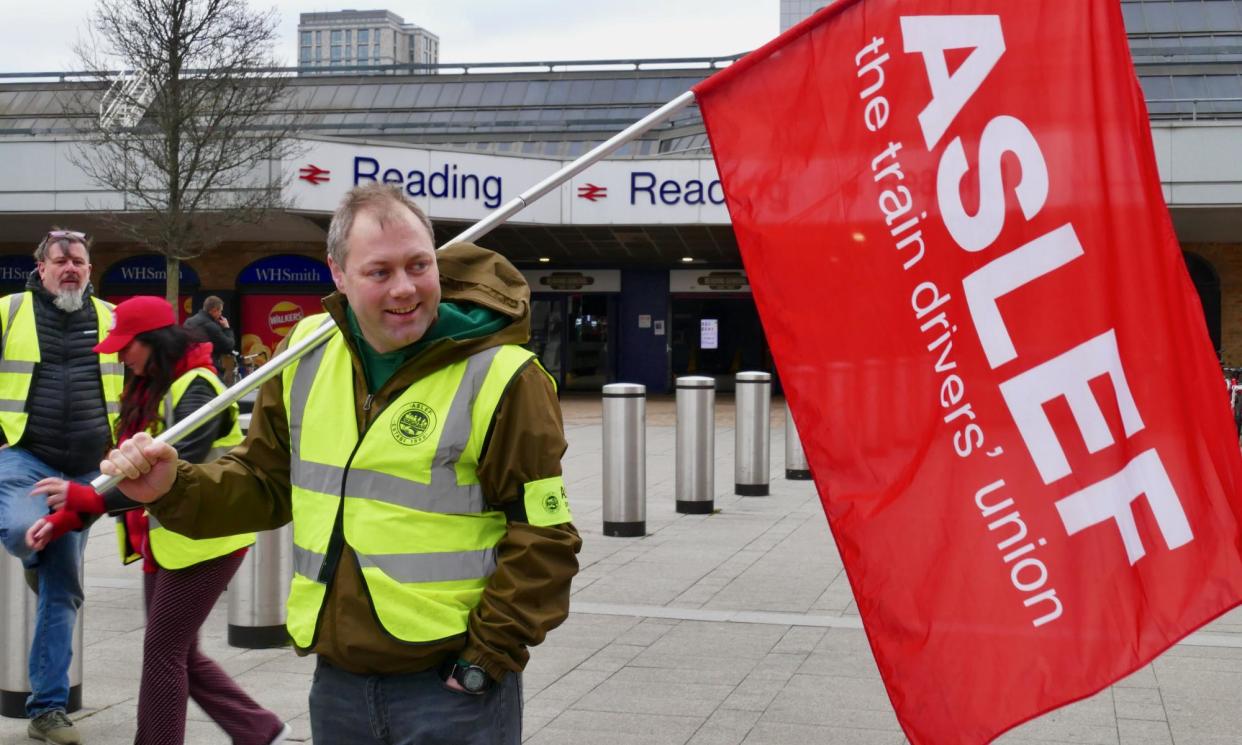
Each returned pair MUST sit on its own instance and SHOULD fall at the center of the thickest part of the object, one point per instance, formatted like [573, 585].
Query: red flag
[951, 219]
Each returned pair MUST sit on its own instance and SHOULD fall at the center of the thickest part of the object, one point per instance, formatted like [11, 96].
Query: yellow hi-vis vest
[406, 489]
[173, 550]
[19, 354]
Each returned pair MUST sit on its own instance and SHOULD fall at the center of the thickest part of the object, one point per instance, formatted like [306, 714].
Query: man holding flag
[1031, 517]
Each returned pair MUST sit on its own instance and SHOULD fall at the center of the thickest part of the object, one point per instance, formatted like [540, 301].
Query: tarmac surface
[734, 628]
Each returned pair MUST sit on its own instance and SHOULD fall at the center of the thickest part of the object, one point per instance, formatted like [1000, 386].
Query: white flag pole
[600, 151]
[228, 397]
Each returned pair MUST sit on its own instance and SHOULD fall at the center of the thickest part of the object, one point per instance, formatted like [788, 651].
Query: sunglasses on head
[71, 234]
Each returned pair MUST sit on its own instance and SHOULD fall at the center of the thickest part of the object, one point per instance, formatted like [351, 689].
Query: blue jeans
[59, 569]
[413, 709]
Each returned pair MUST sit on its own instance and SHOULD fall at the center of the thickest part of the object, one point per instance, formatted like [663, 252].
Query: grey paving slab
[569, 688]
[778, 667]
[725, 727]
[753, 694]
[842, 702]
[611, 728]
[628, 694]
[787, 733]
[1195, 720]
[699, 638]
[1139, 703]
[735, 628]
[1143, 732]
[1144, 677]
[799, 640]
[612, 658]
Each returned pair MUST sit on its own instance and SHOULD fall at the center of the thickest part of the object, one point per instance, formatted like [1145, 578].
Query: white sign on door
[709, 333]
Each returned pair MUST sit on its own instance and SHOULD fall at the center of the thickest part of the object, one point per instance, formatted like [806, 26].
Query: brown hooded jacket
[527, 596]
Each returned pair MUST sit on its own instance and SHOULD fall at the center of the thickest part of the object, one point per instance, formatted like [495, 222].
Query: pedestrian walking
[172, 376]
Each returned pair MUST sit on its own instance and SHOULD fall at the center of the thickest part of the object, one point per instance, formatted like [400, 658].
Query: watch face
[473, 679]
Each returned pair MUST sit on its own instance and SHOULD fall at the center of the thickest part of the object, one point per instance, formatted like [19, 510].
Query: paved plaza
[725, 629]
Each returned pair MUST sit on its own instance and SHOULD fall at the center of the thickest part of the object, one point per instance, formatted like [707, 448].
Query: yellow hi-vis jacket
[19, 354]
[173, 550]
[406, 489]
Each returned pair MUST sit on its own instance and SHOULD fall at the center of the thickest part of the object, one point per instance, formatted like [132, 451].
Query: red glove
[62, 522]
[82, 498]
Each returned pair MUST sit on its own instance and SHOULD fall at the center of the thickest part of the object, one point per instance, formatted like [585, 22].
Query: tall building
[793, 11]
[363, 37]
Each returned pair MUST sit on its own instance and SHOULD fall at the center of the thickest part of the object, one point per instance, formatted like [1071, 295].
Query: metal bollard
[17, 621]
[696, 444]
[258, 591]
[752, 434]
[796, 468]
[625, 459]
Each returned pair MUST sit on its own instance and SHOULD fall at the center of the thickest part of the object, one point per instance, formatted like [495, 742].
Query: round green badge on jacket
[413, 423]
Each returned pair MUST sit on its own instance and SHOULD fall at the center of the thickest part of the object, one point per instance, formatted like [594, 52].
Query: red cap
[134, 316]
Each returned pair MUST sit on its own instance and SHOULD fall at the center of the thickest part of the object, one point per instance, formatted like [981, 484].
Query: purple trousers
[174, 669]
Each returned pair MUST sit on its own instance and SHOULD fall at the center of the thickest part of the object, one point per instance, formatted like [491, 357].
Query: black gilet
[68, 421]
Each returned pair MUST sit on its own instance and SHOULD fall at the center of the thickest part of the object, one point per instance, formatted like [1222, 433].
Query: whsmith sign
[285, 270]
[468, 186]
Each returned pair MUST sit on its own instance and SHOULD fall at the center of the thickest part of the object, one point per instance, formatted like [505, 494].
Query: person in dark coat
[213, 323]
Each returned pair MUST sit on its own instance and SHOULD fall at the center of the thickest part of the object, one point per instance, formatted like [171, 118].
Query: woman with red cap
[171, 377]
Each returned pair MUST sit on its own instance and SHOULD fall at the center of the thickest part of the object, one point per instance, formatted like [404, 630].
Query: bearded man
[59, 401]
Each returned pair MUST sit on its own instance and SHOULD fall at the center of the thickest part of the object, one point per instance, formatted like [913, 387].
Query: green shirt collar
[456, 321]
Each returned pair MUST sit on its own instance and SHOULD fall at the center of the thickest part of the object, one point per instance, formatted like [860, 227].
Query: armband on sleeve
[546, 502]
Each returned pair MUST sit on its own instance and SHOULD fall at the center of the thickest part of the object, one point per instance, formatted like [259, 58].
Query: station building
[634, 269]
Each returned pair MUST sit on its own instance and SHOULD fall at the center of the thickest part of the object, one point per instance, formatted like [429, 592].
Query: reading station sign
[468, 186]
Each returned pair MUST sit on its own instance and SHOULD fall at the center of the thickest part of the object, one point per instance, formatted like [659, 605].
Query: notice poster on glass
[709, 334]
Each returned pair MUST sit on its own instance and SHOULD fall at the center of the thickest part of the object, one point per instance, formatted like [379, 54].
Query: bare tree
[192, 132]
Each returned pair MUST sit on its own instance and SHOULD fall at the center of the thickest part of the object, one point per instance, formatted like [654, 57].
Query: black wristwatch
[471, 677]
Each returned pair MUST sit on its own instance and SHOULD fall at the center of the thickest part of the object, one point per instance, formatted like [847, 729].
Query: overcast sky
[38, 36]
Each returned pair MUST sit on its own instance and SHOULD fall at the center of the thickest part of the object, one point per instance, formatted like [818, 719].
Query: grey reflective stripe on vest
[14, 304]
[439, 567]
[16, 366]
[443, 495]
[8, 405]
[299, 392]
[114, 407]
[457, 426]
[438, 497]
[168, 410]
[317, 477]
[153, 522]
[307, 563]
[111, 368]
